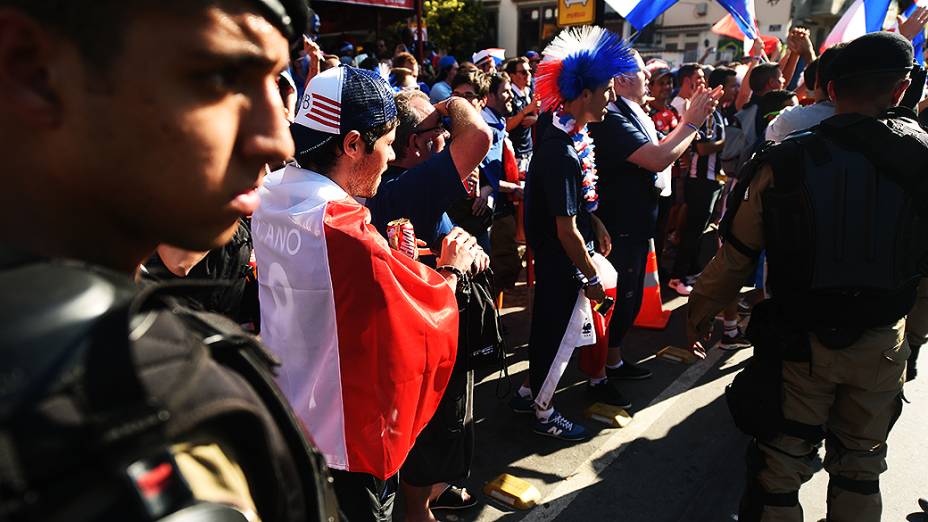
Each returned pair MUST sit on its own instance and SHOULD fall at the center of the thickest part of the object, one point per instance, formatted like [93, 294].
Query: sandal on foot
[453, 499]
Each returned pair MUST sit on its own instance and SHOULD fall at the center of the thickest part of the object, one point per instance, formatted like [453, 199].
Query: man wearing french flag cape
[574, 82]
[366, 335]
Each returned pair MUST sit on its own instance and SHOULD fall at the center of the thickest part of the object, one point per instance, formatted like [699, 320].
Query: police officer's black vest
[845, 220]
[99, 379]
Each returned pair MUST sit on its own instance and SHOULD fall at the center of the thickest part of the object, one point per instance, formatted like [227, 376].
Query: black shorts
[444, 450]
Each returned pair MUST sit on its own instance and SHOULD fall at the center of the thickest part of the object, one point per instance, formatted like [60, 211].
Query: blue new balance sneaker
[559, 427]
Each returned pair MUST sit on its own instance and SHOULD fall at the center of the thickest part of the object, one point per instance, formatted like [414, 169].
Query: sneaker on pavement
[738, 342]
[606, 393]
[628, 372]
[679, 287]
[520, 404]
[744, 307]
[559, 427]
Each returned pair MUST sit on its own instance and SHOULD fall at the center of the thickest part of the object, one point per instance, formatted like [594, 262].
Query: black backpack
[99, 380]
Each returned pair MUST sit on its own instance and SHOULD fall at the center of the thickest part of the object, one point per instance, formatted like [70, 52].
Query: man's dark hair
[512, 63]
[825, 74]
[476, 79]
[97, 27]
[774, 101]
[686, 71]
[323, 158]
[496, 80]
[719, 76]
[407, 119]
[404, 59]
[762, 74]
[810, 76]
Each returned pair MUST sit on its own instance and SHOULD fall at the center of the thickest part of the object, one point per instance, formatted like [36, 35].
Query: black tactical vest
[845, 220]
[98, 381]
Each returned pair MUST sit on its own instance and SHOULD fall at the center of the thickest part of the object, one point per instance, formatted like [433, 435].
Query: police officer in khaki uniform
[837, 210]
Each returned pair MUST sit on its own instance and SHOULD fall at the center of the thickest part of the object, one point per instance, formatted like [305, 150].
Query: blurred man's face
[330, 63]
[429, 137]
[467, 92]
[730, 90]
[452, 72]
[501, 100]
[366, 173]
[409, 84]
[174, 151]
[695, 81]
[522, 75]
[634, 86]
[662, 87]
[487, 66]
[779, 83]
[598, 101]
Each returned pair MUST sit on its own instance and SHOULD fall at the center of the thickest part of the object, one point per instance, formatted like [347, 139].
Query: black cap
[290, 17]
[873, 54]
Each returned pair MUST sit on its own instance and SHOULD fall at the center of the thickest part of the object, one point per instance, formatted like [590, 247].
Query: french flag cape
[366, 335]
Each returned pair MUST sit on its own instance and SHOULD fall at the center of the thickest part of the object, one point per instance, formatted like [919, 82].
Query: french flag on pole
[640, 13]
[862, 17]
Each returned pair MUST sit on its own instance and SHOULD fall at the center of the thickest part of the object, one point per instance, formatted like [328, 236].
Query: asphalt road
[679, 459]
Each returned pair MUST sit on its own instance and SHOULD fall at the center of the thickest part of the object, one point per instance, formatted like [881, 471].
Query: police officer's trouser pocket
[890, 372]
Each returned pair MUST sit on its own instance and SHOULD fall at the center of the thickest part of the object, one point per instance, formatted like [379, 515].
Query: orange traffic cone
[652, 314]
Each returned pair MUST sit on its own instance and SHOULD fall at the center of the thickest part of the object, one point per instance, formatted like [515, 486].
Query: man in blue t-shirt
[427, 177]
[633, 167]
[561, 232]
[504, 250]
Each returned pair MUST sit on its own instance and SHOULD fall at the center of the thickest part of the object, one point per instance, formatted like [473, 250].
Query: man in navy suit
[634, 168]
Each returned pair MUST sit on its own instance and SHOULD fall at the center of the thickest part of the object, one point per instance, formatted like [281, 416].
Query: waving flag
[640, 13]
[742, 11]
[366, 335]
[862, 17]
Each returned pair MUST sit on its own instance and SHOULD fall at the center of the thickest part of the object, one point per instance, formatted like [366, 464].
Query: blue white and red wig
[580, 58]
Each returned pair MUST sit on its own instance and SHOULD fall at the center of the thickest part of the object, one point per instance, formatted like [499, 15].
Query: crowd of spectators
[669, 149]
[397, 220]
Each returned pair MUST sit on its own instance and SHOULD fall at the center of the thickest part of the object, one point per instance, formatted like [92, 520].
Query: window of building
[536, 25]
[775, 28]
[690, 51]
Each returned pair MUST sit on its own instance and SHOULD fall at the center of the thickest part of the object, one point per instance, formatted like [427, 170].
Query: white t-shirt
[680, 104]
[797, 118]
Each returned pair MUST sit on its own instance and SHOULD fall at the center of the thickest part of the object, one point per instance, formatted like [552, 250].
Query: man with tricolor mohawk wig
[579, 59]
[575, 82]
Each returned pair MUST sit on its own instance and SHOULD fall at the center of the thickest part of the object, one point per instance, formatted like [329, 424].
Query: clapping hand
[702, 104]
[799, 42]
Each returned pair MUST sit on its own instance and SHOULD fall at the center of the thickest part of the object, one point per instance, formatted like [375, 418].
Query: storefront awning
[393, 4]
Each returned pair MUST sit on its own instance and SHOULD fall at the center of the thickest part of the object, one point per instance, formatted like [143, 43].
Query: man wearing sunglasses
[524, 110]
